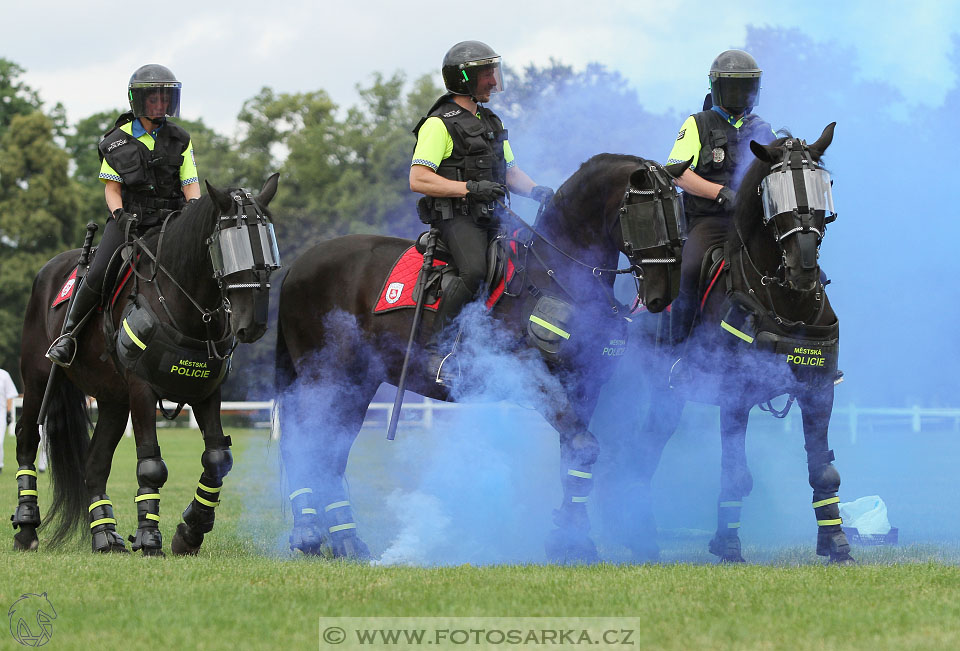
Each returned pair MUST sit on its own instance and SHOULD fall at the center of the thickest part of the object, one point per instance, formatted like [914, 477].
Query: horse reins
[595, 271]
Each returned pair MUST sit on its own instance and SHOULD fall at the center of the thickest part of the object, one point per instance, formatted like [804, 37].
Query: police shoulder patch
[682, 133]
[450, 114]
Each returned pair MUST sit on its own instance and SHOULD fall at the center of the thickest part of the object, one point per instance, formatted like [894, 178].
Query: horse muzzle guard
[654, 225]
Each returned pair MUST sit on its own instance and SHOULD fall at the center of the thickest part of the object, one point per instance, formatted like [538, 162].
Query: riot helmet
[154, 93]
[735, 81]
[469, 63]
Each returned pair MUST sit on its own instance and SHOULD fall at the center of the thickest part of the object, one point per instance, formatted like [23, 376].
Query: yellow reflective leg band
[827, 523]
[308, 511]
[302, 491]
[208, 489]
[207, 502]
[733, 525]
[152, 516]
[341, 527]
[29, 492]
[730, 505]
[96, 523]
[829, 500]
[99, 503]
[147, 496]
[549, 326]
[335, 505]
[578, 500]
[736, 333]
[578, 473]
[133, 337]
[32, 473]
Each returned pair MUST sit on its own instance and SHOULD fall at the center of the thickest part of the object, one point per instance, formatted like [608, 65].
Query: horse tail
[68, 437]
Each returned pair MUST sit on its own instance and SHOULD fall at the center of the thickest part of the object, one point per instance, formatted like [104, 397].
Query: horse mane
[184, 247]
[588, 181]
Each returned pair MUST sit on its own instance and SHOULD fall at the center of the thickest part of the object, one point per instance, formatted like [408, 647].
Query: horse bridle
[250, 238]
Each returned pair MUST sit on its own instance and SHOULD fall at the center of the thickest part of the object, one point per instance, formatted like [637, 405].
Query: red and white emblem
[394, 290]
[67, 288]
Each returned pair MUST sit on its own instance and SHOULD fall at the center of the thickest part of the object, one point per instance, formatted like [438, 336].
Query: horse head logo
[31, 619]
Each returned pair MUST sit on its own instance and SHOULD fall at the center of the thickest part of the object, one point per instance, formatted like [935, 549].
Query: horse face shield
[797, 199]
[653, 223]
[244, 251]
[244, 243]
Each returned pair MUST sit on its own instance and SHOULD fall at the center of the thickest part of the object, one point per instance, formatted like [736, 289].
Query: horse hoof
[112, 549]
[154, 552]
[25, 541]
[309, 540]
[645, 552]
[185, 542]
[351, 548]
[842, 559]
[727, 548]
[567, 547]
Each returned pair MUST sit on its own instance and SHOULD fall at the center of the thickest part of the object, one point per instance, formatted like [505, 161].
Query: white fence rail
[851, 417]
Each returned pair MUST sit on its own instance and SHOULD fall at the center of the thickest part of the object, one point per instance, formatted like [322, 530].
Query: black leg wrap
[570, 542]
[103, 526]
[342, 531]
[148, 536]
[726, 542]
[308, 534]
[28, 508]
[199, 514]
[825, 481]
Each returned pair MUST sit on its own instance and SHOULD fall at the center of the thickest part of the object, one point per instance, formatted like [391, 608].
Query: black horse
[333, 351]
[765, 329]
[199, 285]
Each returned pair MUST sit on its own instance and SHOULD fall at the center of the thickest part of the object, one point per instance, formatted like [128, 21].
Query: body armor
[477, 156]
[724, 156]
[151, 179]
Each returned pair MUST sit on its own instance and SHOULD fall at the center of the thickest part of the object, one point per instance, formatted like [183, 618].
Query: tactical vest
[724, 154]
[477, 156]
[151, 179]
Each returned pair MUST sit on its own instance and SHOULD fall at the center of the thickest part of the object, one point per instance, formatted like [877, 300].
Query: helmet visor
[736, 92]
[155, 99]
[482, 76]
[778, 192]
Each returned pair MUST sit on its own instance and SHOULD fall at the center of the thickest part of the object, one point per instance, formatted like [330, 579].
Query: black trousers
[468, 244]
[111, 240]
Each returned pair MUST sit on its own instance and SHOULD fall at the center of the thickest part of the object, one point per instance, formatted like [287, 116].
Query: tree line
[341, 171]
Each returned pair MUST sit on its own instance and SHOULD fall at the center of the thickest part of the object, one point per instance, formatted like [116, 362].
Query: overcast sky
[82, 54]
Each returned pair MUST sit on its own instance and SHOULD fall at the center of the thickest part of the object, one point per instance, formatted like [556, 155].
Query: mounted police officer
[148, 170]
[718, 140]
[463, 164]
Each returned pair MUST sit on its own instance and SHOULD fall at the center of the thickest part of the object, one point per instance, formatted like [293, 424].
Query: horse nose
[251, 333]
[656, 305]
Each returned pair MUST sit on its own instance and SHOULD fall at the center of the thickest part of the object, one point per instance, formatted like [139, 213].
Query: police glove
[485, 191]
[123, 218]
[9, 418]
[726, 198]
[541, 193]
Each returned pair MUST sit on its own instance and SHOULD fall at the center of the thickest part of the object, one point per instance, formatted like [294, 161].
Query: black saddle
[497, 256]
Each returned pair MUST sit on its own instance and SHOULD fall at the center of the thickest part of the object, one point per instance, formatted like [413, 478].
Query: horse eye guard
[244, 243]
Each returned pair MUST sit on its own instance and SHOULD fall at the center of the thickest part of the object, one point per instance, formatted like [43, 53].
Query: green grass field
[245, 591]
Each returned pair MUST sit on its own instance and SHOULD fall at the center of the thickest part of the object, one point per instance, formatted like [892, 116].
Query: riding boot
[683, 311]
[439, 363]
[64, 348]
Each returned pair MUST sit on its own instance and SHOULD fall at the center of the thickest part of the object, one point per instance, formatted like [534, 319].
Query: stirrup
[68, 336]
[451, 377]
